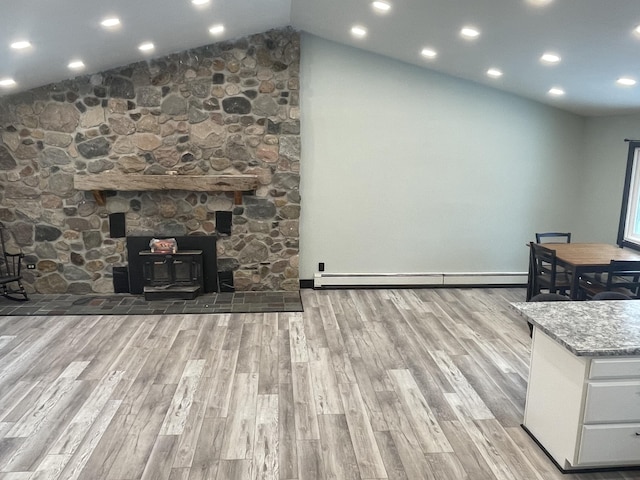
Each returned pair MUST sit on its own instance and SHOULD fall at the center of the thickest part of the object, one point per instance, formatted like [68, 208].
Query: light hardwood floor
[365, 384]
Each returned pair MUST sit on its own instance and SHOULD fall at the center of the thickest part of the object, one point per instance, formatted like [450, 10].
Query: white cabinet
[584, 411]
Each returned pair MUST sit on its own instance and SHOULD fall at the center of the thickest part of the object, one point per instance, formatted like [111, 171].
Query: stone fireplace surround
[226, 109]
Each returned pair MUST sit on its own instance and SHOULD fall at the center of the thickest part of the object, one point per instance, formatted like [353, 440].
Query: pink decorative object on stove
[164, 245]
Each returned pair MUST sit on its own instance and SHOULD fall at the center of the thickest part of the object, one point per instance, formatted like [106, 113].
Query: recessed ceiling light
[76, 65]
[539, 3]
[626, 81]
[556, 91]
[550, 58]
[199, 2]
[494, 73]
[381, 7]
[470, 32]
[146, 46]
[216, 29]
[637, 30]
[429, 53]
[358, 31]
[7, 82]
[110, 22]
[22, 44]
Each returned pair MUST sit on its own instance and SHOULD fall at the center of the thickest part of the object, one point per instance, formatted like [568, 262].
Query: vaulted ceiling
[596, 41]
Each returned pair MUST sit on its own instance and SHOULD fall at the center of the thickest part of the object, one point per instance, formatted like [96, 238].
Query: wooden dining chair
[622, 276]
[553, 237]
[545, 272]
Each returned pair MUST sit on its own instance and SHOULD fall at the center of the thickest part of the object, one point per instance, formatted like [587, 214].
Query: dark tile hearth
[126, 304]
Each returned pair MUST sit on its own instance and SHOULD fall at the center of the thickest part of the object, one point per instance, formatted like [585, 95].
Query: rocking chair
[10, 277]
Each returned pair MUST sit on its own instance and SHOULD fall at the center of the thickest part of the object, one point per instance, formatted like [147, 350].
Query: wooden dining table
[579, 259]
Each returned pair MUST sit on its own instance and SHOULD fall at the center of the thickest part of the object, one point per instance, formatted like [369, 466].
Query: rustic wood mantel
[100, 182]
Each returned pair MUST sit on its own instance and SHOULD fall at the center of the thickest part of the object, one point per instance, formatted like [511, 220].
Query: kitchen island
[583, 394]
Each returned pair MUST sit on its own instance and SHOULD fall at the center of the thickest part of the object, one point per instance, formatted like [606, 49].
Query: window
[629, 229]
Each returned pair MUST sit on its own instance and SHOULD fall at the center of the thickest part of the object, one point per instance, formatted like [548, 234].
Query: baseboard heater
[328, 280]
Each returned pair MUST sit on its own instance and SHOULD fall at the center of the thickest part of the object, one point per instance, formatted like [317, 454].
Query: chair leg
[19, 294]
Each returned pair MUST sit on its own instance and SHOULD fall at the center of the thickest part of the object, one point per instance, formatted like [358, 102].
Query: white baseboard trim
[324, 279]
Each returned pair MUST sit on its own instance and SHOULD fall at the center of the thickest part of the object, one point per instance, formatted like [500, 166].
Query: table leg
[575, 284]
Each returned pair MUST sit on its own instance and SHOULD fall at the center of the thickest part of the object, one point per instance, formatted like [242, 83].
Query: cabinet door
[610, 444]
[612, 402]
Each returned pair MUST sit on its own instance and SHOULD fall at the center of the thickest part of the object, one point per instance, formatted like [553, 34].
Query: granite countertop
[605, 328]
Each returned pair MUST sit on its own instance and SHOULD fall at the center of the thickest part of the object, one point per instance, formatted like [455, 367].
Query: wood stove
[203, 243]
[172, 275]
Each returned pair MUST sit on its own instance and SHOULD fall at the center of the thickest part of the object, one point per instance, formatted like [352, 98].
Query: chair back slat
[624, 275]
[554, 237]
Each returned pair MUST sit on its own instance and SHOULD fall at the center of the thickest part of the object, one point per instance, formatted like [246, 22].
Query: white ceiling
[595, 39]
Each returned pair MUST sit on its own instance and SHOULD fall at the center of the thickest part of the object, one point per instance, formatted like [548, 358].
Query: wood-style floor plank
[158, 467]
[390, 456]
[310, 466]
[265, 462]
[288, 451]
[75, 432]
[325, 386]
[362, 438]
[268, 362]
[176, 418]
[424, 384]
[298, 340]
[249, 348]
[137, 445]
[206, 457]
[239, 432]
[306, 418]
[234, 470]
[426, 426]
[100, 460]
[84, 451]
[221, 383]
[412, 457]
[188, 439]
[35, 447]
[361, 374]
[338, 456]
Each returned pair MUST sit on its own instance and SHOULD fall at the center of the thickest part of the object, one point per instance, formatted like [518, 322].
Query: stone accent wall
[226, 108]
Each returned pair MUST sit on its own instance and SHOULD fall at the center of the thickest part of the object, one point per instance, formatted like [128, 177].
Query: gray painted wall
[405, 170]
[604, 170]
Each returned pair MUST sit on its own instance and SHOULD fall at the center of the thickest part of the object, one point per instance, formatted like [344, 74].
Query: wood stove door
[157, 270]
[186, 271]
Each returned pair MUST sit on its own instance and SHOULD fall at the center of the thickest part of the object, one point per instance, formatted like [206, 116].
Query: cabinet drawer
[613, 444]
[612, 402]
[615, 368]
